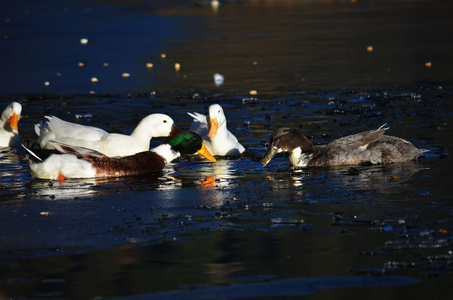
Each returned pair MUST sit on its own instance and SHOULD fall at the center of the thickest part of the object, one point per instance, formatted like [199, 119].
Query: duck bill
[13, 121]
[174, 131]
[203, 151]
[270, 153]
[213, 127]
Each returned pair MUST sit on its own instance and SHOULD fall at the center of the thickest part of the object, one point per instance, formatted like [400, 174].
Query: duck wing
[367, 147]
[394, 149]
[80, 152]
[359, 141]
[63, 129]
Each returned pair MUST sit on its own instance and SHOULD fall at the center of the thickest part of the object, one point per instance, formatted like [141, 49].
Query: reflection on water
[13, 172]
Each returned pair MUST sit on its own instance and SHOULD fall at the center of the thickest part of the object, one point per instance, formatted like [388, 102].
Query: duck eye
[165, 121]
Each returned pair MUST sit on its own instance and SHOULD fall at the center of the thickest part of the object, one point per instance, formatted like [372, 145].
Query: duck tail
[29, 154]
[383, 127]
[198, 117]
[41, 127]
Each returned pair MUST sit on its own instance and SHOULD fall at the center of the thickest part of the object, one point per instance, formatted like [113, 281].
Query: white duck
[110, 144]
[9, 130]
[213, 129]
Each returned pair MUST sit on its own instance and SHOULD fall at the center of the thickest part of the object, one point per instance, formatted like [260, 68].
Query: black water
[232, 229]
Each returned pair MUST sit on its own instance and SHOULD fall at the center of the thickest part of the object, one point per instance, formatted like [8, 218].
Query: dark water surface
[232, 229]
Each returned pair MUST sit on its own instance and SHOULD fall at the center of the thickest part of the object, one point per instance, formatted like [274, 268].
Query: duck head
[189, 143]
[156, 125]
[11, 115]
[215, 118]
[287, 139]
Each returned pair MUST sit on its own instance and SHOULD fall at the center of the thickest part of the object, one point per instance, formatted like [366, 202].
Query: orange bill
[203, 151]
[174, 131]
[13, 121]
[212, 126]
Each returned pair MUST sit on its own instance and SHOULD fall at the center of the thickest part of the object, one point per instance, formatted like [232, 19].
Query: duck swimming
[371, 147]
[9, 129]
[218, 139]
[54, 129]
[78, 162]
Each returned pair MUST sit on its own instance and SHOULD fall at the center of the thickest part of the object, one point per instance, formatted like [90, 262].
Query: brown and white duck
[78, 162]
[369, 147]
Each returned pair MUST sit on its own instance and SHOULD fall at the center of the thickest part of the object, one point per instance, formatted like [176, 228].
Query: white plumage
[213, 129]
[110, 144]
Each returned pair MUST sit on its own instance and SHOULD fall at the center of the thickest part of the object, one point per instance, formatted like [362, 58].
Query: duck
[73, 162]
[9, 128]
[369, 147]
[213, 129]
[53, 129]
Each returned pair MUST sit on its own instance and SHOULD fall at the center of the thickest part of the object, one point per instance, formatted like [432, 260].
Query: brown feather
[140, 163]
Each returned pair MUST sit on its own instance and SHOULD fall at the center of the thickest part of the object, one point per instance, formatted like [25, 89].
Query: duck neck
[166, 152]
[142, 131]
[222, 132]
[298, 158]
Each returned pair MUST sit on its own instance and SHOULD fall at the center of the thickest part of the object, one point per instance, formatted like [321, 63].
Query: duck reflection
[210, 180]
[13, 172]
[346, 177]
[90, 187]
[217, 175]
[377, 177]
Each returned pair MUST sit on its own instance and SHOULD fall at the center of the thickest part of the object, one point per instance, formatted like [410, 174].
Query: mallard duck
[78, 162]
[213, 128]
[9, 129]
[54, 129]
[371, 147]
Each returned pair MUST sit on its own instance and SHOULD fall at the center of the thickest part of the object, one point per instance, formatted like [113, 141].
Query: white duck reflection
[91, 187]
[13, 172]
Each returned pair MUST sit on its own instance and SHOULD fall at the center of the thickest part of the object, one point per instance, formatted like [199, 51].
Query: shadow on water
[233, 229]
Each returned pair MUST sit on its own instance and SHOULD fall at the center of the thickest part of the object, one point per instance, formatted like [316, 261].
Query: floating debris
[428, 64]
[134, 240]
[369, 48]
[106, 64]
[46, 83]
[163, 55]
[149, 65]
[215, 4]
[83, 116]
[126, 75]
[81, 64]
[177, 67]
[218, 79]
[94, 79]
[287, 221]
[45, 213]
[253, 92]
[83, 41]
